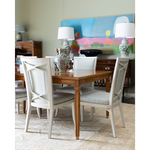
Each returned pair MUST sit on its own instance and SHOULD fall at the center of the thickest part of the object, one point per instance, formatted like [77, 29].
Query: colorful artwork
[97, 33]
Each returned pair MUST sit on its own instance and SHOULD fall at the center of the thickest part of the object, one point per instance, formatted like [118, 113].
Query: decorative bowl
[90, 52]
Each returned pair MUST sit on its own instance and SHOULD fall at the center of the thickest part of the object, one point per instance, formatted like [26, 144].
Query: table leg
[108, 84]
[77, 109]
[41, 112]
[24, 106]
[24, 102]
[107, 90]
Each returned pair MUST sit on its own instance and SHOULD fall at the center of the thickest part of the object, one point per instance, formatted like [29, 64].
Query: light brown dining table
[77, 78]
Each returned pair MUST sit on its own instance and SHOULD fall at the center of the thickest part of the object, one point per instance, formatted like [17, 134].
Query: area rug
[95, 134]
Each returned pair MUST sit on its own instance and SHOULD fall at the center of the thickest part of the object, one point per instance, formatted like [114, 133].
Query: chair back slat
[85, 63]
[52, 59]
[118, 80]
[38, 80]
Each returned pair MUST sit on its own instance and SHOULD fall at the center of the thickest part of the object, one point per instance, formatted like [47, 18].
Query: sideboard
[28, 48]
[109, 65]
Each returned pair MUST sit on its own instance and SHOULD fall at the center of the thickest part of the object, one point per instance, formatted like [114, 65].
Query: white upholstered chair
[20, 96]
[82, 63]
[55, 86]
[20, 92]
[108, 101]
[40, 92]
[52, 58]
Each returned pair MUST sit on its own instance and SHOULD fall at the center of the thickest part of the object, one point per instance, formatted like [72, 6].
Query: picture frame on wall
[98, 33]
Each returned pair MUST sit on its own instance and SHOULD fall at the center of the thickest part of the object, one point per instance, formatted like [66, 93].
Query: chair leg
[92, 111]
[50, 123]
[122, 116]
[38, 112]
[26, 106]
[56, 112]
[48, 112]
[82, 112]
[112, 122]
[73, 113]
[18, 108]
[28, 118]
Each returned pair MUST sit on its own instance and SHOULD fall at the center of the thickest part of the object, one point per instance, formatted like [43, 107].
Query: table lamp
[19, 29]
[125, 30]
[65, 33]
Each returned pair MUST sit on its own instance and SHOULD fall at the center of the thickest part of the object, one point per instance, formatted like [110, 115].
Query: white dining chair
[20, 96]
[82, 63]
[38, 77]
[21, 71]
[52, 59]
[20, 92]
[108, 101]
[16, 84]
[55, 86]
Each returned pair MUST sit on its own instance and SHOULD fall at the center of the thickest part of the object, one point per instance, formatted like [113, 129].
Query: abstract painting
[97, 33]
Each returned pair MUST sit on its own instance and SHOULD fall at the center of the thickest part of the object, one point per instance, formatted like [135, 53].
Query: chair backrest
[38, 80]
[85, 63]
[118, 80]
[28, 57]
[21, 69]
[52, 58]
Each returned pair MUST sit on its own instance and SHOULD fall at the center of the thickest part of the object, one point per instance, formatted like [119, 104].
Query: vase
[124, 48]
[62, 59]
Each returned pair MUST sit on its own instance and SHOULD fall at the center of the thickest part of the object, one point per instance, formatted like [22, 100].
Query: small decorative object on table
[55, 67]
[62, 60]
[125, 30]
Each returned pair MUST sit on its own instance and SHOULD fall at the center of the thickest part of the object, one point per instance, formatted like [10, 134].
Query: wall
[41, 18]
[22, 15]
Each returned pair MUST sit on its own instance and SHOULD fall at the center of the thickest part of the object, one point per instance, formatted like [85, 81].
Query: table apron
[81, 80]
[64, 81]
[19, 78]
[92, 79]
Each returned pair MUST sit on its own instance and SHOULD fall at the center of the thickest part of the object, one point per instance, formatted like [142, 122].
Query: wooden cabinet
[109, 65]
[28, 48]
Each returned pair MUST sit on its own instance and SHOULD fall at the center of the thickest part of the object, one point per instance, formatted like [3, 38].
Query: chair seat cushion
[20, 93]
[96, 97]
[18, 83]
[56, 86]
[62, 97]
[59, 98]
[70, 89]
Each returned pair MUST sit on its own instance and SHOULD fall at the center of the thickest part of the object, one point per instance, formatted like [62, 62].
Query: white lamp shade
[65, 33]
[126, 30]
[19, 28]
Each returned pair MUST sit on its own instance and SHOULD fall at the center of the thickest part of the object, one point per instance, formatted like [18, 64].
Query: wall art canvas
[98, 33]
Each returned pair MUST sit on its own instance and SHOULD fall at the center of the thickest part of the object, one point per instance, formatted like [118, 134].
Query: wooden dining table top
[73, 74]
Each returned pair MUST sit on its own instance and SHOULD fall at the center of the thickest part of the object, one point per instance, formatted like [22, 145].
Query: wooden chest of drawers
[28, 48]
[109, 64]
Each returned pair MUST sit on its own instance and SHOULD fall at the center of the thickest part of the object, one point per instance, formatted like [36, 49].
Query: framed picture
[98, 33]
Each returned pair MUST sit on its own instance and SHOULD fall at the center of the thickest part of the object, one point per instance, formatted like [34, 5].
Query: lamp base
[66, 45]
[124, 48]
[19, 36]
